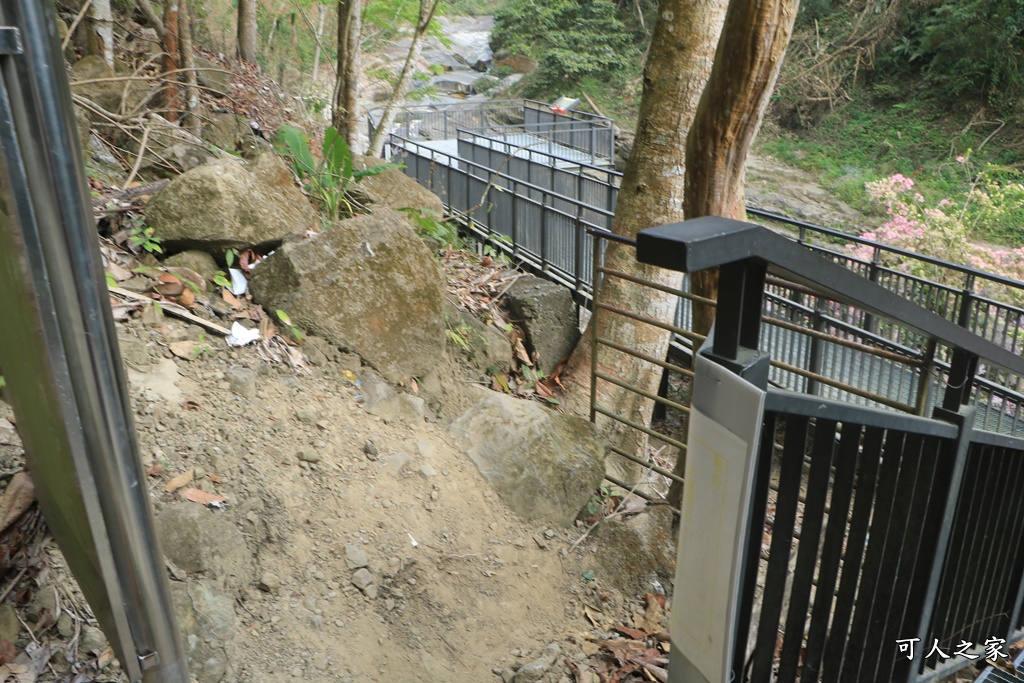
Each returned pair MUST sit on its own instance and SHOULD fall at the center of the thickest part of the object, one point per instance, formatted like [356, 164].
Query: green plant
[458, 334]
[330, 178]
[604, 501]
[201, 348]
[287, 322]
[3, 382]
[221, 280]
[431, 226]
[143, 237]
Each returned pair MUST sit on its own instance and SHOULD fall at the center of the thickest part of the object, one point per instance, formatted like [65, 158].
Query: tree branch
[152, 18]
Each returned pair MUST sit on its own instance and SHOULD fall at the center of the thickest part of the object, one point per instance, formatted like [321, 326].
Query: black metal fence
[540, 215]
[883, 546]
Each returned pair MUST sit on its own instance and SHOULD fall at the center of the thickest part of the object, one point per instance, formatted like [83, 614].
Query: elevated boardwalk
[533, 183]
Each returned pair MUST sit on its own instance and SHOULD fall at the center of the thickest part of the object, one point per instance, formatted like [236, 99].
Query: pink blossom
[961, 159]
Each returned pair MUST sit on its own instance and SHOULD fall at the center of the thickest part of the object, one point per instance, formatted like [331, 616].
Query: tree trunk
[101, 31]
[427, 10]
[345, 104]
[747, 64]
[678, 65]
[321, 13]
[247, 30]
[172, 103]
[188, 63]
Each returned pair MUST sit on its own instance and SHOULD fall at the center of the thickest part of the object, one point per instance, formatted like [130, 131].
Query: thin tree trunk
[427, 10]
[247, 30]
[101, 31]
[188, 62]
[321, 13]
[747, 65]
[345, 102]
[172, 101]
[678, 65]
[152, 18]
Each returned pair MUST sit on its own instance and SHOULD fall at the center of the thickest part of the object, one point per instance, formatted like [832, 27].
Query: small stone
[371, 591]
[362, 579]
[355, 557]
[370, 449]
[534, 671]
[389, 604]
[297, 672]
[395, 462]
[93, 639]
[269, 583]
[317, 622]
[306, 415]
[428, 471]
[309, 455]
[242, 382]
[549, 534]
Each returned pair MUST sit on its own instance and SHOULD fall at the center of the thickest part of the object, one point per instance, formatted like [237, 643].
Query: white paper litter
[240, 336]
[239, 283]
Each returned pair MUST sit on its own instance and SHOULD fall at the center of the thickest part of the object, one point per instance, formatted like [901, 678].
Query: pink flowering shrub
[944, 231]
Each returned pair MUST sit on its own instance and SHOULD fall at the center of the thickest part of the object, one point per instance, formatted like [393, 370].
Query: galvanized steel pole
[59, 354]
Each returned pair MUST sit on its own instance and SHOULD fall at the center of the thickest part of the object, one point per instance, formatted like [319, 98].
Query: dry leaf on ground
[177, 482]
[18, 498]
[200, 496]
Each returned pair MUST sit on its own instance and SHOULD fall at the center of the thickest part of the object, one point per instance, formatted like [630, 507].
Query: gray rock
[226, 204]
[199, 261]
[631, 553]
[362, 578]
[401, 408]
[534, 671]
[368, 284]
[393, 189]
[84, 127]
[93, 639]
[207, 620]
[199, 540]
[133, 350]
[213, 76]
[242, 382]
[269, 582]
[371, 450]
[375, 390]
[548, 315]
[395, 462]
[108, 94]
[309, 455]
[233, 133]
[486, 347]
[544, 465]
[355, 557]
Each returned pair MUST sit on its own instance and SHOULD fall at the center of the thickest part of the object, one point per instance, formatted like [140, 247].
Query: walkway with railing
[540, 215]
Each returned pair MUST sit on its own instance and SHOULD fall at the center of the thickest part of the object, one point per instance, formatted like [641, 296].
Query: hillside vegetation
[927, 90]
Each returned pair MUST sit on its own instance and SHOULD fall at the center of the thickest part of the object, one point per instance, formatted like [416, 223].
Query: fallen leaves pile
[626, 654]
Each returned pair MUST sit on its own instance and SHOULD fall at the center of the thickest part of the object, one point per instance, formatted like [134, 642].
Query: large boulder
[547, 314]
[229, 204]
[207, 620]
[91, 79]
[367, 284]
[234, 133]
[544, 465]
[393, 189]
[213, 77]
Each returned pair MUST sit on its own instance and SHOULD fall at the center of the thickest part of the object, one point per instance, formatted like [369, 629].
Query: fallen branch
[174, 309]
[140, 157]
[74, 24]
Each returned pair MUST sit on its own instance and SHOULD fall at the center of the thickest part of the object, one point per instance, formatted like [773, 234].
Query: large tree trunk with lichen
[678, 64]
[747, 65]
[345, 105]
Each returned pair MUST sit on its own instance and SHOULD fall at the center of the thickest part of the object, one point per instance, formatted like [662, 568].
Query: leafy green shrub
[330, 178]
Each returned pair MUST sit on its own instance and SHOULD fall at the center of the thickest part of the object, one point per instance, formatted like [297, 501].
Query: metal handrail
[58, 348]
